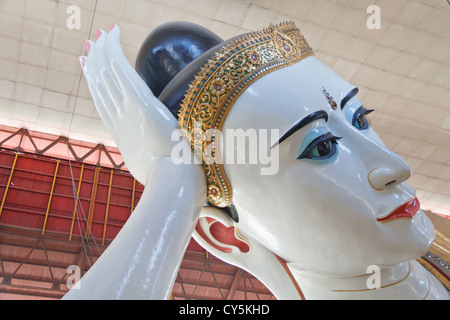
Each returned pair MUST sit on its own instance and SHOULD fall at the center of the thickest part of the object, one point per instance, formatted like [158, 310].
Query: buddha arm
[143, 260]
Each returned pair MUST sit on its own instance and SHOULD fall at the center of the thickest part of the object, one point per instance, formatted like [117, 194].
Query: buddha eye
[359, 120]
[323, 147]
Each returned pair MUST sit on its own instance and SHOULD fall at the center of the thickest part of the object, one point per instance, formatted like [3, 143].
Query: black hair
[168, 60]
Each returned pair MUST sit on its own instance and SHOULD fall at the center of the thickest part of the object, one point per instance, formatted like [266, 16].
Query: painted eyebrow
[305, 121]
[347, 98]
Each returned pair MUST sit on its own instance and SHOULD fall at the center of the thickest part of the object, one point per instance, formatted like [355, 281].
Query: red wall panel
[29, 192]
[30, 187]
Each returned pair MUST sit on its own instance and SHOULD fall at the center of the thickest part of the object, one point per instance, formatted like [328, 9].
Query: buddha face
[339, 201]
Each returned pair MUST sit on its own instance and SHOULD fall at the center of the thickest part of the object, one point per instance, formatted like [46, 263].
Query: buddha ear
[219, 234]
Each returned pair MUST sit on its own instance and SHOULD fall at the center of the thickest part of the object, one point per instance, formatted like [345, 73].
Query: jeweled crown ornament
[222, 80]
[330, 99]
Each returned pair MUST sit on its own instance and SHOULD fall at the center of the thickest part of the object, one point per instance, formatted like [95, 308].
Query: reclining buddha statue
[322, 211]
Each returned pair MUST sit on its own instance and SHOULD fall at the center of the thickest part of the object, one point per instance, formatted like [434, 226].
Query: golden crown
[221, 81]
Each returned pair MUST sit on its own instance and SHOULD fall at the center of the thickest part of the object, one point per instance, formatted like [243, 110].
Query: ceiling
[402, 69]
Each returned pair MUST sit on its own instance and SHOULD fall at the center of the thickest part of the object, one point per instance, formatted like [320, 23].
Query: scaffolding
[63, 202]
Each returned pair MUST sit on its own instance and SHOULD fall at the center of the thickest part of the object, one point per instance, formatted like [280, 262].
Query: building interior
[64, 187]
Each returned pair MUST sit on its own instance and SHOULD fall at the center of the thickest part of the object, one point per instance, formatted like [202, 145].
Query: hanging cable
[83, 237]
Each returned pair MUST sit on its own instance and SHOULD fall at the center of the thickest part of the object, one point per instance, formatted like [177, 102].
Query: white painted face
[320, 212]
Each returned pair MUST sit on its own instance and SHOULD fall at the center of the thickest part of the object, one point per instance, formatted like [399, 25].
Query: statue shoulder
[437, 259]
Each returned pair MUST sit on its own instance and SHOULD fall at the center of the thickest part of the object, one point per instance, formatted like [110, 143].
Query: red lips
[408, 210]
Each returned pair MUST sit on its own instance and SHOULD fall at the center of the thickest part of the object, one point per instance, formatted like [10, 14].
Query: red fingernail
[112, 27]
[82, 62]
[98, 33]
[87, 46]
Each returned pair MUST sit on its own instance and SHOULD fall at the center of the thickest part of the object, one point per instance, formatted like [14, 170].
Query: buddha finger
[91, 80]
[88, 45]
[98, 61]
[107, 78]
[92, 65]
[128, 79]
[92, 72]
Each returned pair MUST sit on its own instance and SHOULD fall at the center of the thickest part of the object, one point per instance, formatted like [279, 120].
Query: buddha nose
[381, 178]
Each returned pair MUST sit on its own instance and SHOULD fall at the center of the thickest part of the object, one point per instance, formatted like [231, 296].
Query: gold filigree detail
[218, 87]
[223, 79]
[253, 57]
[214, 192]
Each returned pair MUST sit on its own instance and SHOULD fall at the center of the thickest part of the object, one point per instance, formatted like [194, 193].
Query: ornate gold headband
[222, 80]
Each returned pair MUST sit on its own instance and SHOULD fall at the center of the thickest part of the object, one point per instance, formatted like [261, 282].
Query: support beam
[132, 196]
[107, 206]
[234, 284]
[8, 183]
[76, 202]
[50, 198]
[92, 202]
